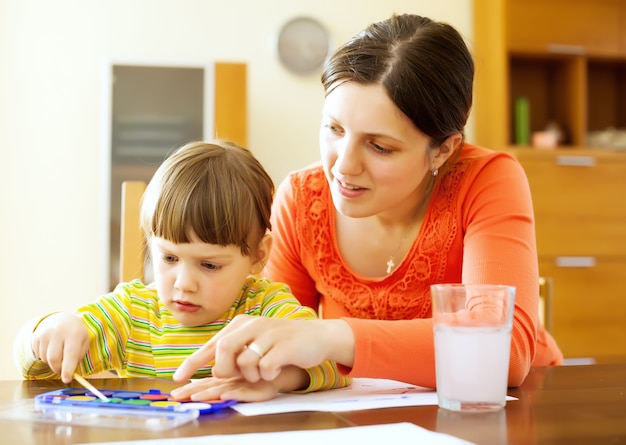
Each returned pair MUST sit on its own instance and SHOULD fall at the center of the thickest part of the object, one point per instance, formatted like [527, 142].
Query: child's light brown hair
[216, 190]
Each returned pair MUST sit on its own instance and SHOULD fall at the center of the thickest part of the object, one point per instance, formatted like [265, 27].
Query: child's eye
[211, 266]
[168, 258]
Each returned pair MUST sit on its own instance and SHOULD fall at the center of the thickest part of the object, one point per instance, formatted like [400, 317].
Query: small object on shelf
[609, 138]
[544, 139]
[522, 121]
[551, 137]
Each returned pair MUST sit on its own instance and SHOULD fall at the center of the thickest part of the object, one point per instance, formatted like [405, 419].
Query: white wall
[51, 54]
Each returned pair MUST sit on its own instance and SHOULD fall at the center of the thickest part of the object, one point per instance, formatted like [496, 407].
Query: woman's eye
[332, 129]
[380, 149]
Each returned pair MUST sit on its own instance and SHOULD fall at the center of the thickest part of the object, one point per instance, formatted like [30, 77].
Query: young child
[206, 217]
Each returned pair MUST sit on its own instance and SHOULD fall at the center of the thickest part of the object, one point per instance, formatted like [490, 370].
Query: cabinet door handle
[575, 261]
[576, 161]
[559, 48]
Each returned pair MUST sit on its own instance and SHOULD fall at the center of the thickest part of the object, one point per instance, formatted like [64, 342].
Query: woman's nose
[348, 161]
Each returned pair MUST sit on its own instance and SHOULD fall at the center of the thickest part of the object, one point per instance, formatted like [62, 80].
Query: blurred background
[56, 61]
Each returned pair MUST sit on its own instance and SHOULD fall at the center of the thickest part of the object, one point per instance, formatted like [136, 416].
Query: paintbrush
[80, 379]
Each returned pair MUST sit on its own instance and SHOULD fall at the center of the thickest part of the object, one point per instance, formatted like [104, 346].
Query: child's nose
[185, 280]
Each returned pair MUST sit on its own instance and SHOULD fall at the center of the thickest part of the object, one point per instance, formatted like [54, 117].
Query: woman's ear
[262, 254]
[447, 149]
[440, 155]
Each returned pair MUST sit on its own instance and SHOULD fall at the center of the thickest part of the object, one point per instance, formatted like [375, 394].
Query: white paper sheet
[399, 433]
[362, 394]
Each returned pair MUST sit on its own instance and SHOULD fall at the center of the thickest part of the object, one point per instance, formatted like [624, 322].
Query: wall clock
[303, 45]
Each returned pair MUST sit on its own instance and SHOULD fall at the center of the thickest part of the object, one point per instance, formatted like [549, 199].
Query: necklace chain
[390, 262]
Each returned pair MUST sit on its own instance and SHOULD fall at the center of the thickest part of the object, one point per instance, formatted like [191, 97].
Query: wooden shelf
[573, 74]
[606, 93]
[552, 84]
[568, 59]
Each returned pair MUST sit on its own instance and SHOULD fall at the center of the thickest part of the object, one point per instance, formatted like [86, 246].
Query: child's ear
[262, 254]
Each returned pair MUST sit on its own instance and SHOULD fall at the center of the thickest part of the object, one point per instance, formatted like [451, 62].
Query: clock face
[303, 45]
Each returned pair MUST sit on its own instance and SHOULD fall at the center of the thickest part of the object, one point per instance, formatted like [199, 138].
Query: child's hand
[62, 341]
[238, 388]
[213, 388]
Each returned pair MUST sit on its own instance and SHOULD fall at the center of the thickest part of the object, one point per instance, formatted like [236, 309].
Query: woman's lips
[349, 190]
[184, 306]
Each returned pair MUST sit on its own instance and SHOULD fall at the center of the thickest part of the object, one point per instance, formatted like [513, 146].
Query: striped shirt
[133, 333]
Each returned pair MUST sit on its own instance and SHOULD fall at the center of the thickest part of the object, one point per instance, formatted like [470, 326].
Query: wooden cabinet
[564, 26]
[622, 36]
[588, 307]
[567, 58]
[579, 199]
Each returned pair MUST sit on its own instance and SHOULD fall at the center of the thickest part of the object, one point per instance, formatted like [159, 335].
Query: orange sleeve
[394, 349]
[500, 247]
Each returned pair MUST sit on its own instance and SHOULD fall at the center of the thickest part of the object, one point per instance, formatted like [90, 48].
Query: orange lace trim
[405, 293]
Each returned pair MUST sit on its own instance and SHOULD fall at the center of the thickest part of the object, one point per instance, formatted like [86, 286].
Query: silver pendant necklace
[391, 261]
[390, 264]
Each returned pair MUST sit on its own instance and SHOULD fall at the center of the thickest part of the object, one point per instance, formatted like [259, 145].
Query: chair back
[545, 302]
[132, 249]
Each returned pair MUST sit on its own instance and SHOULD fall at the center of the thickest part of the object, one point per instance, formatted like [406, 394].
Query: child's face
[198, 282]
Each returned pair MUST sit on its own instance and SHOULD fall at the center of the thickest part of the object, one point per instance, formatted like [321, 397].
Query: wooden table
[561, 405]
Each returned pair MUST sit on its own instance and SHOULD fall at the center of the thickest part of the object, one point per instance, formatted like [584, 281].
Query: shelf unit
[568, 59]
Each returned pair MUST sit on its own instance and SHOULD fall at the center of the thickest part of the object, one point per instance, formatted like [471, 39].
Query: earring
[435, 170]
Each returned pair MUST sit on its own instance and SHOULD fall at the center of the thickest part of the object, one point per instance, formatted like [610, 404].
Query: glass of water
[472, 328]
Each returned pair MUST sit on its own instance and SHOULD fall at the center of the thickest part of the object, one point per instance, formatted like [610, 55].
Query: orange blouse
[478, 228]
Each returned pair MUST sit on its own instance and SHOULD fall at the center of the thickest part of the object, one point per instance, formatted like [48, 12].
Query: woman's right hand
[62, 341]
[281, 342]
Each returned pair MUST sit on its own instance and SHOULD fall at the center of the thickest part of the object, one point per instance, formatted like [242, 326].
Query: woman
[399, 202]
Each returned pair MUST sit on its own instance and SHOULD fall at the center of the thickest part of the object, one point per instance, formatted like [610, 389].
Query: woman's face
[374, 157]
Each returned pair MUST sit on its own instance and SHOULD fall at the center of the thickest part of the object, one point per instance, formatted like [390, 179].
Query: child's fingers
[67, 372]
[69, 365]
[201, 390]
[74, 350]
[250, 392]
[37, 347]
[53, 356]
[212, 388]
[183, 392]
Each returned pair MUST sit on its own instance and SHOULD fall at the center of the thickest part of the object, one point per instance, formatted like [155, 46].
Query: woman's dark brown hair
[424, 66]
